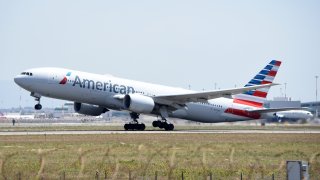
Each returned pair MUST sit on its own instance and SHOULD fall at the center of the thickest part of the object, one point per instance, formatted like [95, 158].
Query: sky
[176, 43]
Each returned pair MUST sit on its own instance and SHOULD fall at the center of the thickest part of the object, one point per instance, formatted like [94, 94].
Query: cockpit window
[26, 73]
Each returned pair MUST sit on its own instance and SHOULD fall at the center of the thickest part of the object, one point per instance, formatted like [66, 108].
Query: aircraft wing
[276, 110]
[181, 99]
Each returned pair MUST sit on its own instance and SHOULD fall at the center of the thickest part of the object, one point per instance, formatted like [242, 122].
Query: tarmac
[81, 132]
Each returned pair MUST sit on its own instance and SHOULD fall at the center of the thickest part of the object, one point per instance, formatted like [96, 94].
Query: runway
[21, 133]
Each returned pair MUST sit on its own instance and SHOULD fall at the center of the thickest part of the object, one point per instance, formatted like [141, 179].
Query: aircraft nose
[21, 81]
[18, 80]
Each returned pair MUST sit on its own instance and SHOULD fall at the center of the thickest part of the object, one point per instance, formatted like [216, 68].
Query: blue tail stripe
[273, 62]
[268, 67]
[256, 82]
[264, 72]
[249, 92]
[259, 77]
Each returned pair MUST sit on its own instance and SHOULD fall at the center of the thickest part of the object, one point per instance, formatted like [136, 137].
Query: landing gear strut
[163, 123]
[37, 97]
[134, 124]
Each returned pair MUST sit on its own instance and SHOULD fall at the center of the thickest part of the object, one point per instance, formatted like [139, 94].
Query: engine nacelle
[138, 103]
[88, 109]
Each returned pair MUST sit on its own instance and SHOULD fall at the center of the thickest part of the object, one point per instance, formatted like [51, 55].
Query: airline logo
[257, 97]
[65, 79]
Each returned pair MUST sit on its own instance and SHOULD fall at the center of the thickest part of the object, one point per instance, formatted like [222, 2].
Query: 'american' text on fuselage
[103, 86]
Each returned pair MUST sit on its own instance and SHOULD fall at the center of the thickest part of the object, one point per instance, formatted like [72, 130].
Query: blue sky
[174, 43]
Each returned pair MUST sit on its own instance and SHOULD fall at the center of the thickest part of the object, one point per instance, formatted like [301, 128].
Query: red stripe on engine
[243, 113]
[249, 103]
[260, 94]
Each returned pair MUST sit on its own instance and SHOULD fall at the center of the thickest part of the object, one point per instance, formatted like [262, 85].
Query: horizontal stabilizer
[276, 110]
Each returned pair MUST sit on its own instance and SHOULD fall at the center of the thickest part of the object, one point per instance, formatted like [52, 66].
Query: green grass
[257, 156]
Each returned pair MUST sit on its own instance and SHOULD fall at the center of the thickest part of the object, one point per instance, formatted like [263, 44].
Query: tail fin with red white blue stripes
[257, 97]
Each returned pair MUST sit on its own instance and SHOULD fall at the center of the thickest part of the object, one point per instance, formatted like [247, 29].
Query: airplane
[291, 116]
[15, 116]
[95, 94]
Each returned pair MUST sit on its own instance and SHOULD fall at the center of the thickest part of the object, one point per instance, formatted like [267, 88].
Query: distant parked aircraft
[290, 116]
[15, 116]
[95, 94]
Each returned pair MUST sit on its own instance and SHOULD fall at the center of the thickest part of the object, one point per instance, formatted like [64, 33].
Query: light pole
[316, 96]
[285, 91]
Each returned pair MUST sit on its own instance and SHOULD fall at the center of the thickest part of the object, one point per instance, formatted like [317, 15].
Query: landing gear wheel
[156, 123]
[169, 127]
[126, 127]
[163, 125]
[141, 127]
[38, 107]
[132, 127]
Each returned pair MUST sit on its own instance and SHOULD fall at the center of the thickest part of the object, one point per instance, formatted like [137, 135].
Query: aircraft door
[55, 78]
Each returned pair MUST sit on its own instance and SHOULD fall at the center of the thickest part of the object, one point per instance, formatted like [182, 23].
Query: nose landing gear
[37, 97]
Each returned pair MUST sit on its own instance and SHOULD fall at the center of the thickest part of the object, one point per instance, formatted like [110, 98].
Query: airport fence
[132, 176]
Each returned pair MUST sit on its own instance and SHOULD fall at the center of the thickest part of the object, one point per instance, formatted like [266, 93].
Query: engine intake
[138, 103]
[88, 109]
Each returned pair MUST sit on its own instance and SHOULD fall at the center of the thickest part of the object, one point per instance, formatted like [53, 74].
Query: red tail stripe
[266, 82]
[260, 94]
[249, 103]
[272, 73]
[278, 63]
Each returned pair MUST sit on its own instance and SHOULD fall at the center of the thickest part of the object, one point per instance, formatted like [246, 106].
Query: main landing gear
[37, 97]
[163, 124]
[134, 124]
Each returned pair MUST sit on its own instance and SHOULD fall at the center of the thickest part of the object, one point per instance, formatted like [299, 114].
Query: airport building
[282, 102]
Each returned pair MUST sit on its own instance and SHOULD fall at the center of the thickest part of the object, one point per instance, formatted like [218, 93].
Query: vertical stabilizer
[257, 97]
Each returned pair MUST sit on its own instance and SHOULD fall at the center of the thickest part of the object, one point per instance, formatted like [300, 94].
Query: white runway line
[10, 133]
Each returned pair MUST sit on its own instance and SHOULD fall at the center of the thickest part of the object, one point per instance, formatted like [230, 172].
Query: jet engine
[138, 103]
[88, 109]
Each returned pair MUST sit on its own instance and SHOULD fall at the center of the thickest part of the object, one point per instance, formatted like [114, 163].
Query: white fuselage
[102, 90]
[292, 115]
